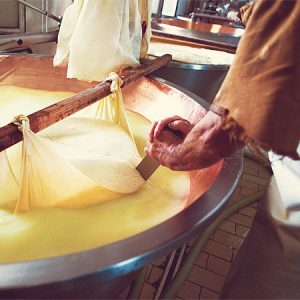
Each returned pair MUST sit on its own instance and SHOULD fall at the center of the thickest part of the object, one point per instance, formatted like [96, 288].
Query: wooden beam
[10, 135]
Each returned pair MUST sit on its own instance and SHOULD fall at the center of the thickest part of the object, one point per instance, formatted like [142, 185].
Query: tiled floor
[207, 276]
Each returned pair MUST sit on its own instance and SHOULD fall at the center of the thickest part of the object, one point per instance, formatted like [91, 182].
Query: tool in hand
[148, 165]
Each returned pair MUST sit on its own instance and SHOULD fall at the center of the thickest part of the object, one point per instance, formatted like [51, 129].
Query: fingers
[154, 150]
[181, 125]
[163, 124]
[151, 134]
[165, 156]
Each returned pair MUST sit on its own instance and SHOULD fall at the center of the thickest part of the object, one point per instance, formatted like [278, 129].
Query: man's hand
[165, 139]
[176, 124]
[196, 147]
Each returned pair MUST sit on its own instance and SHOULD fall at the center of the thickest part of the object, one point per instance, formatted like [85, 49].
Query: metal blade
[147, 167]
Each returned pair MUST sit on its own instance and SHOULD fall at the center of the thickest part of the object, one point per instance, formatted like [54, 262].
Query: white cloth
[98, 37]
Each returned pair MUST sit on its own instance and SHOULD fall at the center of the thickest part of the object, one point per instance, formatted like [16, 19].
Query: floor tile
[201, 260]
[248, 184]
[250, 171]
[255, 179]
[248, 211]
[219, 250]
[189, 290]
[208, 294]
[228, 239]
[241, 230]
[246, 192]
[218, 265]
[241, 219]
[206, 279]
[227, 226]
[249, 163]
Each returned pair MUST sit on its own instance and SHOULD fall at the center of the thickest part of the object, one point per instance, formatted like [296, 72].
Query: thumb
[180, 125]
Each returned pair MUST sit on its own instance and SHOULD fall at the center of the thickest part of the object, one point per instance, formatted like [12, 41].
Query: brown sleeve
[262, 88]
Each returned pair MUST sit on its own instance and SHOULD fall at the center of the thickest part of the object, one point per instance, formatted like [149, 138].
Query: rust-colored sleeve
[262, 88]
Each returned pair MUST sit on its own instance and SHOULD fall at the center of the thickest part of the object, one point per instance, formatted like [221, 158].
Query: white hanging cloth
[100, 36]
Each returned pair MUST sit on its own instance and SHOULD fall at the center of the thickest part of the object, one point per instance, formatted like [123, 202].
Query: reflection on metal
[98, 272]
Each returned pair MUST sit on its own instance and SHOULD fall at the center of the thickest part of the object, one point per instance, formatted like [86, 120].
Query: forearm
[206, 144]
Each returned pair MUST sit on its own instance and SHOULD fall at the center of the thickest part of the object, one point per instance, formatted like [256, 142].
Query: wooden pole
[10, 135]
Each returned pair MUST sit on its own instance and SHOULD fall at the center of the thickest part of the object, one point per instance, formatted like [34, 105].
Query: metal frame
[87, 269]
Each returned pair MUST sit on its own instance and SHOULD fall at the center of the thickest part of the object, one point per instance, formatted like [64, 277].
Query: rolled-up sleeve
[262, 88]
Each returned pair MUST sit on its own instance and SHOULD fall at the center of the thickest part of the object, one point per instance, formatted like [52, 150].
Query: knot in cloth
[116, 82]
[22, 122]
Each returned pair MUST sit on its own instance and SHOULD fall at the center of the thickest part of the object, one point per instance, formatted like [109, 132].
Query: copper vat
[104, 271]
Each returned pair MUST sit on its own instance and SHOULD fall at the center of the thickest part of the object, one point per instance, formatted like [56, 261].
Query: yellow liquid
[41, 233]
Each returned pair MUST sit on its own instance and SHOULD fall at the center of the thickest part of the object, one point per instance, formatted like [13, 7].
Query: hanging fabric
[100, 36]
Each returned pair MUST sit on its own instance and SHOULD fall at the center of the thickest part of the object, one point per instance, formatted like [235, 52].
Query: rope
[116, 82]
[22, 122]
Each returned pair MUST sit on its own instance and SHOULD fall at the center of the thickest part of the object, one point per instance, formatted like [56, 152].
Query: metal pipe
[28, 38]
[44, 12]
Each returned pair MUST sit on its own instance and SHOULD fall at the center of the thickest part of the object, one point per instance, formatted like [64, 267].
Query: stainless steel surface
[87, 273]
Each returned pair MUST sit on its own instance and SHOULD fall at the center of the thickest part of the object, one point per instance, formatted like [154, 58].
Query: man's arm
[205, 144]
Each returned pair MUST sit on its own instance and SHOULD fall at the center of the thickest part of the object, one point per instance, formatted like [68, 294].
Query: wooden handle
[10, 135]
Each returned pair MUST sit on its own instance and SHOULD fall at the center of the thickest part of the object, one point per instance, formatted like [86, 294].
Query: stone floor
[207, 276]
